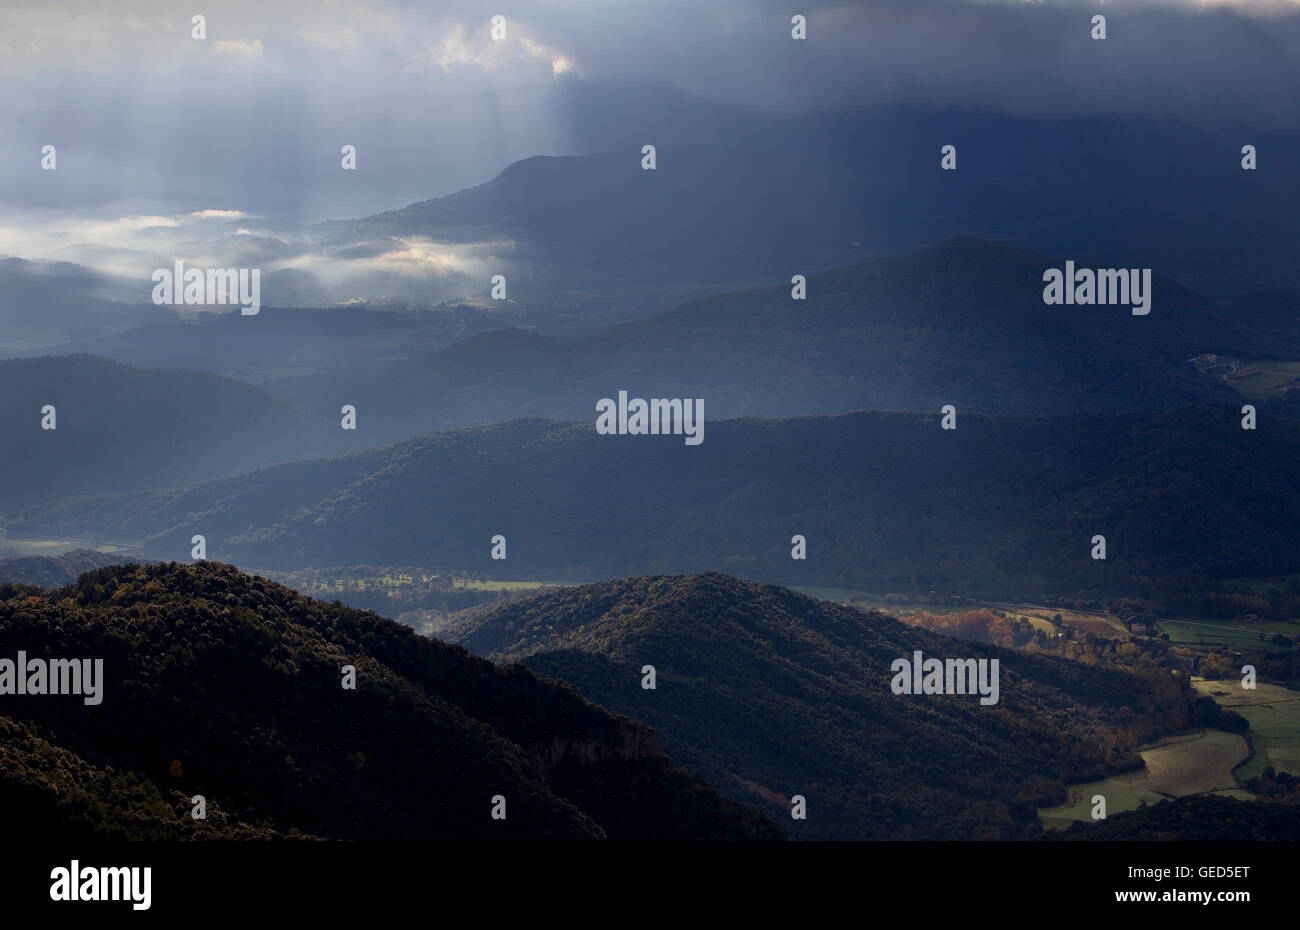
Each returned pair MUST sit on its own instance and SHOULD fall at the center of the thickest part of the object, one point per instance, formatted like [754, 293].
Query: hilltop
[768, 693]
[229, 686]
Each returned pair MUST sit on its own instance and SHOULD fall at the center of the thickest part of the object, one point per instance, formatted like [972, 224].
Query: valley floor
[1195, 763]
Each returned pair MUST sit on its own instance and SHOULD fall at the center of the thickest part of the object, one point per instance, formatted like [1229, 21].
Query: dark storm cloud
[147, 120]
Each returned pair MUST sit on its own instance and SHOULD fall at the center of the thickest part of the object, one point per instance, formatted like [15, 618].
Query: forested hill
[886, 502]
[54, 571]
[220, 684]
[962, 323]
[768, 694]
[115, 429]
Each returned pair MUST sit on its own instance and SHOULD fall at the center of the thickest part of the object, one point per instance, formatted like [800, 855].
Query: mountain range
[42, 303]
[767, 693]
[962, 324]
[117, 428]
[885, 501]
[735, 200]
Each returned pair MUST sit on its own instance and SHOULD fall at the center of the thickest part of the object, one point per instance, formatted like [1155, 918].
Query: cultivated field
[1098, 622]
[1235, 634]
[1196, 763]
[11, 545]
[1272, 375]
[1274, 715]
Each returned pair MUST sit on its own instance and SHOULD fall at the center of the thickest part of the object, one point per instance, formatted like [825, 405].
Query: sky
[159, 134]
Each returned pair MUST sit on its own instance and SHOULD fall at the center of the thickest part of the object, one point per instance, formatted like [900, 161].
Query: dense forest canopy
[228, 686]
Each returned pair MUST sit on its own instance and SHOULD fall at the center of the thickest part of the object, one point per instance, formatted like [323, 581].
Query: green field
[1038, 623]
[1098, 622]
[1272, 375]
[1196, 763]
[27, 546]
[1274, 715]
[1232, 633]
[505, 585]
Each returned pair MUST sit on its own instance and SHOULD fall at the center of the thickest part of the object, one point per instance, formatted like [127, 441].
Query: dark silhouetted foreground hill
[229, 686]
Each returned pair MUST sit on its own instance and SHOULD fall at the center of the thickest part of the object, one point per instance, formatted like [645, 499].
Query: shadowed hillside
[230, 686]
[885, 501]
[963, 323]
[121, 429]
[768, 694]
